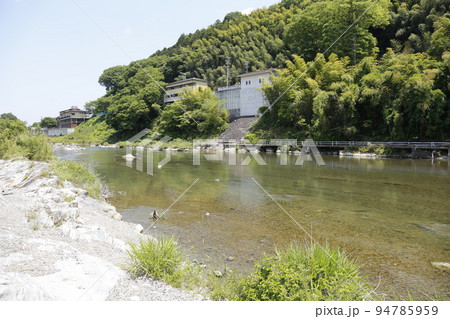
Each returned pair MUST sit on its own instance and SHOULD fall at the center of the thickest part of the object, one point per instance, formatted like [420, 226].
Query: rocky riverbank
[57, 243]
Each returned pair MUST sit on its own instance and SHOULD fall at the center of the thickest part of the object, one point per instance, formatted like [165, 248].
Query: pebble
[442, 266]
[117, 216]
[218, 274]
[230, 258]
[139, 228]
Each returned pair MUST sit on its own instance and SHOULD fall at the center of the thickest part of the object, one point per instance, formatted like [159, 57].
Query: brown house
[71, 118]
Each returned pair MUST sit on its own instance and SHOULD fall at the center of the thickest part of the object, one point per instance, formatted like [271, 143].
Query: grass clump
[162, 259]
[298, 273]
[79, 175]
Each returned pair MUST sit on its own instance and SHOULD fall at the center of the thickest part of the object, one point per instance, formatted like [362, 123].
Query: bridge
[344, 144]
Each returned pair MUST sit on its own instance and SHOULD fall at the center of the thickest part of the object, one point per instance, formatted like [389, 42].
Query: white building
[173, 90]
[246, 99]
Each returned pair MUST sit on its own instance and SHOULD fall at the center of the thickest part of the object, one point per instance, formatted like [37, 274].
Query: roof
[186, 81]
[257, 72]
[72, 109]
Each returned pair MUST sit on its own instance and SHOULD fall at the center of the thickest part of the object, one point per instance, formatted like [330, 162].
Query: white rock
[139, 228]
[117, 216]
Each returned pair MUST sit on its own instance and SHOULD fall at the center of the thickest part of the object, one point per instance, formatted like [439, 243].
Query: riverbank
[57, 243]
[371, 152]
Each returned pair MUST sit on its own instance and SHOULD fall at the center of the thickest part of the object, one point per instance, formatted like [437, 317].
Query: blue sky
[52, 53]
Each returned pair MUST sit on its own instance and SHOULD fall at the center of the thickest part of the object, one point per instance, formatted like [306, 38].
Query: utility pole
[228, 69]
[246, 66]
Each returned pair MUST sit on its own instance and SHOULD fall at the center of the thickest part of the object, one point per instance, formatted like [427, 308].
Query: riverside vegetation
[385, 79]
[299, 272]
[16, 141]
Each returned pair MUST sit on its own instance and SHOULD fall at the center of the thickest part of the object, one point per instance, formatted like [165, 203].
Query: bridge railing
[412, 145]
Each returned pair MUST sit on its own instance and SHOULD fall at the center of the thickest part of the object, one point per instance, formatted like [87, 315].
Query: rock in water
[442, 266]
[139, 228]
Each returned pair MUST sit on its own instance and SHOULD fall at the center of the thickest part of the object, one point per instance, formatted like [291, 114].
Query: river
[392, 215]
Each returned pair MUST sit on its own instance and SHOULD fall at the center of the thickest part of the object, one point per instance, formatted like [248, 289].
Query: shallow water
[392, 215]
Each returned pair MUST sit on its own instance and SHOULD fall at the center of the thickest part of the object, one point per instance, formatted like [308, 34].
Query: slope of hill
[272, 38]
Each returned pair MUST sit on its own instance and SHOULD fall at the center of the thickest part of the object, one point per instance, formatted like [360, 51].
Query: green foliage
[49, 122]
[79, 175]
[8, 116]
[197, 114]
[162, 259]
[402, 97]
[16, 141]
[365, 88]
[412, 25]
[298, 273]
[317, 27]
[178, 143]
[136, 106]
[440, 39]
[375, 149]
[94, 131]
[36, 148]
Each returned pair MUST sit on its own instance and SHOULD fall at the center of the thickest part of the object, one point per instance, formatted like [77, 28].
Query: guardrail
[345, 144]
[410, 145]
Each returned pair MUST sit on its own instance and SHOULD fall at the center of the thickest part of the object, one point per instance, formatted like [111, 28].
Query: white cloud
[248, 11]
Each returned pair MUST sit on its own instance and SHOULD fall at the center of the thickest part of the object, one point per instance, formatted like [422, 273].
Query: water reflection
[390, 214]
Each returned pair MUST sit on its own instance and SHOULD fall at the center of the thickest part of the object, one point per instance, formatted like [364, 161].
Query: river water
[392, 215]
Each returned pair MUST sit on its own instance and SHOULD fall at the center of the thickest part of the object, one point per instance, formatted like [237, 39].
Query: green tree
[135, 106]
[440, 40]
[321, 104]
[8, 116]
[197, 114]
[49, 122]
[317, 27]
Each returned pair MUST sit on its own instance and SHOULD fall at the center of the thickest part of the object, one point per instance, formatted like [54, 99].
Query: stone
[117, 216]
[218, 274]
[230, 258]
[442, 266]
[139, 228]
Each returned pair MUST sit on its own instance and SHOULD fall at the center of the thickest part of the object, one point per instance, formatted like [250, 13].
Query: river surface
[392, 215]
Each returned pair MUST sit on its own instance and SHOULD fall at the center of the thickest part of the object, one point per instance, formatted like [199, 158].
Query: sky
[52, 53]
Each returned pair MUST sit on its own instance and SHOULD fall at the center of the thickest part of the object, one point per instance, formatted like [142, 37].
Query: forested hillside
[385, 78]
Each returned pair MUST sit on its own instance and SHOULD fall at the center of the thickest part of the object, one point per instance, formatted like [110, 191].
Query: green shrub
[178, 143]
[162, 259]
[93, 131]
[79, 175]
[352, 149]
[36, 147]
[16, 141]
[383, 150]
[298, 273]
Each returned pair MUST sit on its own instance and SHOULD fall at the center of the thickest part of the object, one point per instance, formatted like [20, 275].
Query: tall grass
[162, 259]
[79, 175]
[298, 272]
